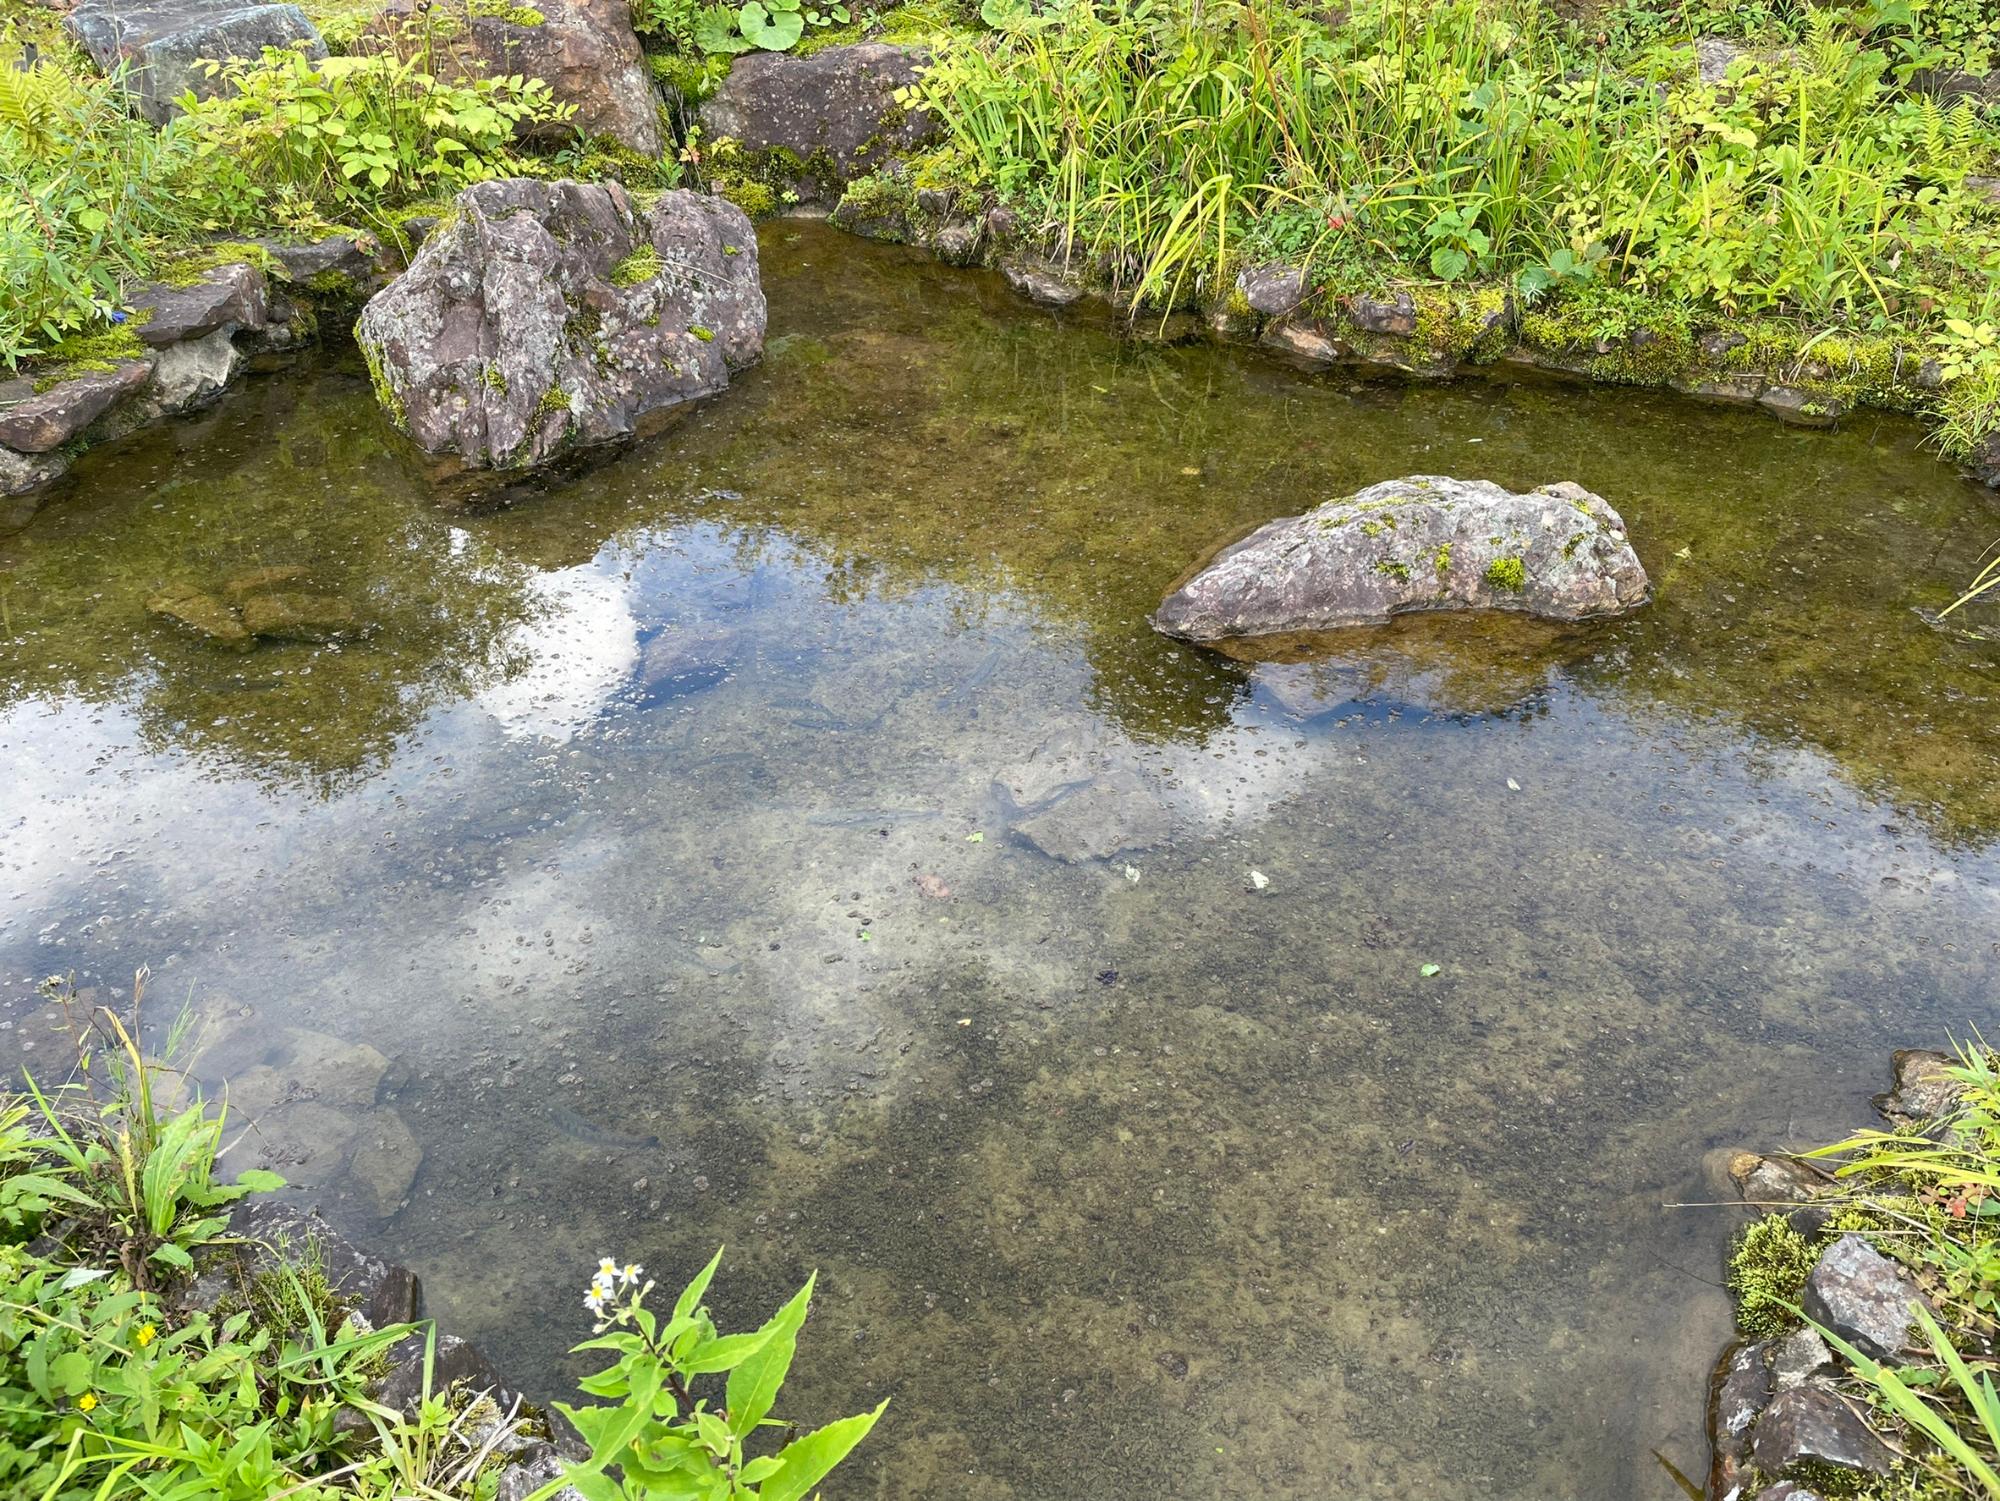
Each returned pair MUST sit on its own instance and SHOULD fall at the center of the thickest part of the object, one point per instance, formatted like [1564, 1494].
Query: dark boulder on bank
[1420, 543]
[810, 125]
[542, 317]
[163, 44]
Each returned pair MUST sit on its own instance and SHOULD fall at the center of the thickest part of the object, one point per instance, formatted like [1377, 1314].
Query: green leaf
[690, 1298]
[753, 1385]
[804, 1462]
[1430, 969]
[69, 1372]
[259, 1180]
[724, 1354]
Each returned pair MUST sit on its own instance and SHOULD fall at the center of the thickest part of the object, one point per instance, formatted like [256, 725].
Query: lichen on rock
[1424, 542]
[543, 317]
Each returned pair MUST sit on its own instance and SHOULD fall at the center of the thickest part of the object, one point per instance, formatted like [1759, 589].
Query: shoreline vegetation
[1868, 1300]
[169, 1334]
[1789, 205]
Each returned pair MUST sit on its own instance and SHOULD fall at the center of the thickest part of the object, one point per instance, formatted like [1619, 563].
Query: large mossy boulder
[163, 44]
[1420, 543]
[541, 317]
[810, 125]
[584, 50]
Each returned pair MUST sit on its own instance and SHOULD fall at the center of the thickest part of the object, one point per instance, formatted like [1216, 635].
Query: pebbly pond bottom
[643, 878]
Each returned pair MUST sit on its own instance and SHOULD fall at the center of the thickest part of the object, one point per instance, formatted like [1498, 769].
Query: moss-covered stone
[1767, 1275]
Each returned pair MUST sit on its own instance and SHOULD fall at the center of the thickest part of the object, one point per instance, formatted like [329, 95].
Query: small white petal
[1259, 880]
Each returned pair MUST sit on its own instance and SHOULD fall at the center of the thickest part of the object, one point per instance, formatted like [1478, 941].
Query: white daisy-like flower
[628, 1274]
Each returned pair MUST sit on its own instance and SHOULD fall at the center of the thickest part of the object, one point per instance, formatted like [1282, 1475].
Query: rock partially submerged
[542, 317]
[1421, 543]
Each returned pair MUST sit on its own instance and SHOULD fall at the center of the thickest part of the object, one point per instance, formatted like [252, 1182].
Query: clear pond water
[637, 883]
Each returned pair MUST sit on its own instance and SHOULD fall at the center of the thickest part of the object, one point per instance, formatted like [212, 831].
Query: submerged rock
[1041, 281]
[1076, 798]
[543, 317]
[1421, 543]
[162, 44]
[287, 615]
[202, 613]
[813, 124]
[1738, 1391]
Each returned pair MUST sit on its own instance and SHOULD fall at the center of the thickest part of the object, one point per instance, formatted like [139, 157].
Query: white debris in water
[1259, 880]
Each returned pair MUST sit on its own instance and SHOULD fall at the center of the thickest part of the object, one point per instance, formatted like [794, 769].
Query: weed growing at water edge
[662, 1439]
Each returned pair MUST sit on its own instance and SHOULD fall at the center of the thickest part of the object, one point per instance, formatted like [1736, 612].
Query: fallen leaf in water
[1259, 880]
[965, 1021]
[1189, 470]
[1132, 874]
[978, 836]
[1685, 553]
[933, 887]
[1512, 785]
[1430, 969]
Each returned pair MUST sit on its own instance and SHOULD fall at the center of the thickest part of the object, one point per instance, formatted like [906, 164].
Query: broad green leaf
[804, 1462]
[690, 1298]
[753, 1385]
[725, 1353]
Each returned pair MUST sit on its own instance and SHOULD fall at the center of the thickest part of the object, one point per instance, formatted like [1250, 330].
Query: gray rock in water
[162, 43]
[584, 50]
[1041, 281]
[34, 421]
[1742, 1385]
[1811, 1425]
[1862, 1296]
[1420, 543]
[1395, 314]
[1924, 1088]
[1799, 1357]
[291, 615]
[1107, 816]
[202, 613]
[823, 120]
[542, 317]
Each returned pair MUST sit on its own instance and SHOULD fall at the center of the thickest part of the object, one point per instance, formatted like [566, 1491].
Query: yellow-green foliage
[1507, 573]
[86, 354]
[513, 15]
[1767, 1271]
[641, 265]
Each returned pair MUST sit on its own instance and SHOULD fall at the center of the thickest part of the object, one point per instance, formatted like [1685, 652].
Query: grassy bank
[1926, 1195]
[1581, 163]
[115, 1381]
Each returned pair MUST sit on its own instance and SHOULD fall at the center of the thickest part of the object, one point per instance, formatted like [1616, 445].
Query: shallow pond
[638, 883]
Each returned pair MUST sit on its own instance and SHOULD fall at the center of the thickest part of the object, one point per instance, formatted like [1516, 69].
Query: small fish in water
[862, 818]
[977, 678]
[575, 1126]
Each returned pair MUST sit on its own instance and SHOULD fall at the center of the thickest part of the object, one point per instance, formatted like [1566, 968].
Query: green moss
[1767, 1271]
[706, 335]
[692, 78]
[1510, 574]
[1393, 568]
[86, 354]
[555, 399]
[1443, 559]
[495, 379]
[513, 15]
[384, 392]
[187, 267]
[642, 265]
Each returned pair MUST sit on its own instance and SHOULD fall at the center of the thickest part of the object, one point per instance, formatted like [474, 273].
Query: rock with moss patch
[584, 50]
[511, 340]
[230, 296]
[1421, 543]
[36, 420]
[811, 125]
[198, 611]
[292, 615]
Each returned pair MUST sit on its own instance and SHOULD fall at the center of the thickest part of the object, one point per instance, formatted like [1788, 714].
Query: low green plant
[658, 1436]
[1767, 1270]
[354, 136]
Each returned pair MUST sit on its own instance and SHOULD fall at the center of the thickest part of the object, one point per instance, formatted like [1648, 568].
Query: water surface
[637, 882]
